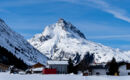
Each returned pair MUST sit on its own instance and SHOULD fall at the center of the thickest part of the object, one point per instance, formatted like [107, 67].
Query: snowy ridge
[62, 40]
[17, 45]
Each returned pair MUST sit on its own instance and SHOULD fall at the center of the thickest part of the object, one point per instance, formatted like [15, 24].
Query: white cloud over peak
[104, 6]
[111, 36]
[99, 4]
[116, 12]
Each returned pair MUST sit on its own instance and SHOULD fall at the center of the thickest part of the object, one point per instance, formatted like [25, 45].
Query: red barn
[49, 71]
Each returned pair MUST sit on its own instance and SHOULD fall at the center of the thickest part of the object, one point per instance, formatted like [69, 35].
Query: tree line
[84, 64]
[7, 58]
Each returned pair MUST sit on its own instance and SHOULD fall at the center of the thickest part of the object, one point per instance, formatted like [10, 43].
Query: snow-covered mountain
[63, 40]
[18, 46]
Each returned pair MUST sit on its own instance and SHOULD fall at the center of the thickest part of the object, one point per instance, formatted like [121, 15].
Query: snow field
[7, 76]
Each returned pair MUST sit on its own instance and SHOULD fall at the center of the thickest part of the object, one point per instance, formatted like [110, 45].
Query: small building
[124, 69]
[3, 67]
[60, 66]
[96, 69]
[37, 68]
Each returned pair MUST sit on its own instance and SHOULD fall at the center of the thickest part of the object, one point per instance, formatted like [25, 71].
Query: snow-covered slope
[18, 46]
[63, 40]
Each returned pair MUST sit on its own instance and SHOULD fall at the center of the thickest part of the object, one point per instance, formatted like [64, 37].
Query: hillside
[14, 44]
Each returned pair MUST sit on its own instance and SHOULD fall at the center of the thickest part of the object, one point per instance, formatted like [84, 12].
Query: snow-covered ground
[7, 76]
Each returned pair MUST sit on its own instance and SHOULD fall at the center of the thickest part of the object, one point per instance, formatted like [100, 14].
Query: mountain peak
[61, 20]
[62, 23]
[64, 40]
[67, 26]
[62, 28]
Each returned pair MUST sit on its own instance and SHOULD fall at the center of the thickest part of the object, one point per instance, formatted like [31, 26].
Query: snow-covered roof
[58, 62]
[98, 64]
[38, 69]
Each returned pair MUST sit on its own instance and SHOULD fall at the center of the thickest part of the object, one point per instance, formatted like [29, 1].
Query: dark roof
[3, 66]
[38, 65]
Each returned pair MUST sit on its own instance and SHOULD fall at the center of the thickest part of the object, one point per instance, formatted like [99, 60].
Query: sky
[102, 21]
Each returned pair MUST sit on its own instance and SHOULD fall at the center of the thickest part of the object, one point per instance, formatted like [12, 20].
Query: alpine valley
[62, 40]
[15, 50]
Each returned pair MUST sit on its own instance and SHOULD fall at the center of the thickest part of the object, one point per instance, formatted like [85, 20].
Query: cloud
[104, 6]
[15, 3]
[27, 35]
[116, 12]
[110, 37]
[100, 4]
[4, 11]
[124, 47]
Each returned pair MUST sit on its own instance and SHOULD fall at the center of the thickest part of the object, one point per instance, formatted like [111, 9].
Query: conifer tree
[113, 67]
[70, 66]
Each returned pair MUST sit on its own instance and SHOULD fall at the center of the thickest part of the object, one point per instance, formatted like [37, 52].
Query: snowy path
[6, 76]
[108, 78]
